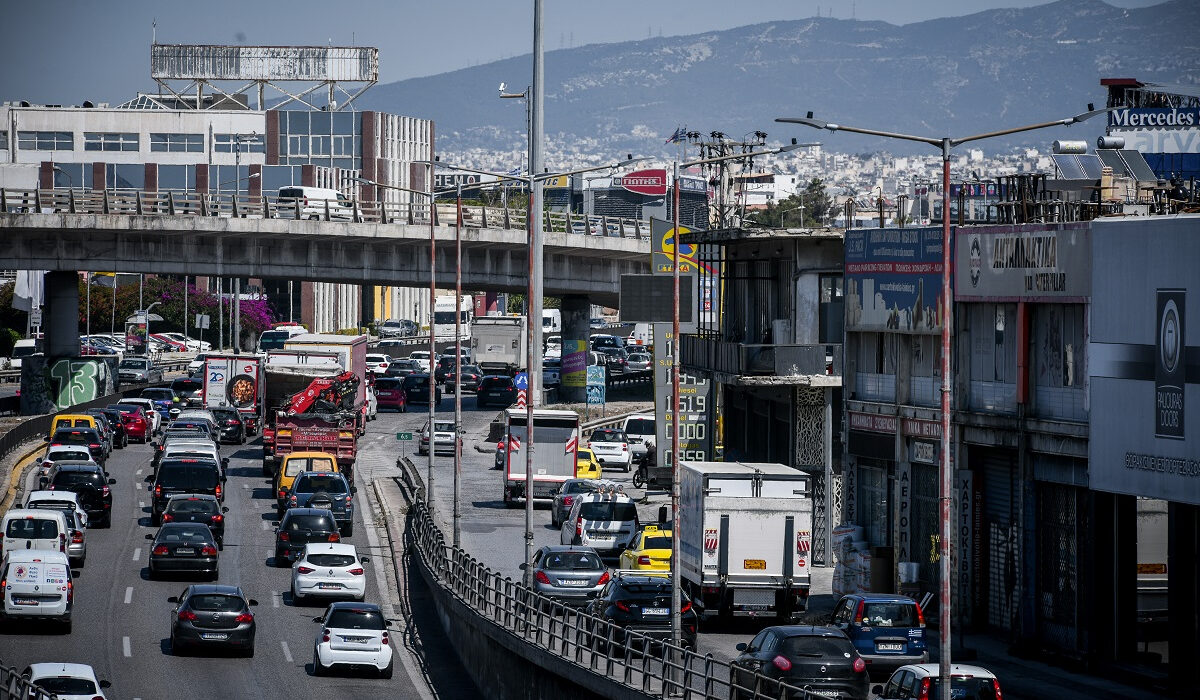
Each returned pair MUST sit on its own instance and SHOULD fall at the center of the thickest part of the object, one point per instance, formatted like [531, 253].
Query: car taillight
[325, 635]
[384, 640]
[621, 605]
[304, 569]
[923, 693]
[62, 541]
[335, 537]
[218, 518]
[542, 577]
[643, 560]
[104, 491]
[284, 537]
[858, 613]
[568, 501]
[187, 615]
[70, 590]
[208, 551]
[160, 550]
[859, 665]
[996, 689]
[244, 617]
[579, 526]
[217, 493]
[357, 571]
[603, 578]
[94, 445]
[76, 536]
[624, 447]
[293, 500]
[782, 663]
[158, 491]
[282, 493]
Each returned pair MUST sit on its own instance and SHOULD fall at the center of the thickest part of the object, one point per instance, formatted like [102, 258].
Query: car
[568, 574]
[63, 453]
[615, 360]
[120, 435]
[164, 400]
[328, 569]
[409, 327]
[565, 495]
[445, 367]
[107, 433]
[650, 550]
[192, 344]
[76, 521]
[231, 428]
[38, 585]
[639, 362]
[188, 389]
[137, 424]
[496, 389]
[200, 508]
[596, 322]
[416, 389]
[90, 483]
[552, 347]
[586, 466]
[170, 343]
[403, 368]
[31, 528]
[196, 366]
[389, 392]
[552, 371]
[150, 407]
[88, 438]
[818, 659]
[66, 681]
[887, 630]
[918, 681]
[421, 357]
[300, 526]
[605, 340]
[188, 448]
[639, 431]
[139, 370]
[391, 328]
[470, 376]
[605, 520]
[297, 202]
[227, 623]
[612, 448]
[353, 635]
[203, 427]
[635, 602]
[443, 437]
[325, 490]
[65, 421]
[378, 363]
[184, 475]
[170, 436]
[57, 500]
[184, 548]
[293, 465]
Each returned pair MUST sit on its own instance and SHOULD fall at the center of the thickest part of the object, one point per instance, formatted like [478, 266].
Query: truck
[443, 318]
[556, 442]
[499, 344]
[351, 351]
[745, 533]
[235, 381]
[285, 374]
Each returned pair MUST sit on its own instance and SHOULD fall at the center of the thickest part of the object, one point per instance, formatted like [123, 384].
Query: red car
[137, 425]
[175, 345]
[389, 391]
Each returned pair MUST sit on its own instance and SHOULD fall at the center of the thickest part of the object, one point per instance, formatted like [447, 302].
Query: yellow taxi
[293, 464]
[650, 550]
[586, 464]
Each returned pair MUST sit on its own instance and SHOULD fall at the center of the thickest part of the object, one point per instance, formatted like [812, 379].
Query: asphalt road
[122, 619]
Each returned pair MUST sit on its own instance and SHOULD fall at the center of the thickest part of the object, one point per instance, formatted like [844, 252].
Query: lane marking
[275, 599]
[128, 594]
[247, 486]
[142, 504]
[287, 653]
[139, 472]
[137, 553]
[266, 525]
[125, 647]
[137, 487]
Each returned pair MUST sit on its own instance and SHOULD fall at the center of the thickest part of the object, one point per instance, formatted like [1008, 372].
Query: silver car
[565, 496]
[568, 574]
[639, 361]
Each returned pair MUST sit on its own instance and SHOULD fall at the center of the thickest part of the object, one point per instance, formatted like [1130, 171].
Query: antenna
[154, 30]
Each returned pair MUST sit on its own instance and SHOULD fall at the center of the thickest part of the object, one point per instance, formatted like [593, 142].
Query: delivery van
[37, 585]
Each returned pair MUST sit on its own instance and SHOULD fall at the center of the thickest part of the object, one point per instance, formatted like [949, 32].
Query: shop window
[1059, 359]
[993, 334]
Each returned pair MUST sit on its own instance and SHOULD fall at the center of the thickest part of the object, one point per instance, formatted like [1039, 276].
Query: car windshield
[608, 510]
[572, 560]
[216, 602]
[331, 559]
[73, 437]
[183, 533]
[415, 382]
[496, 383]
[816, 647]
[24, 351]
[71, 478]
[387, 384]
[133, 364]
[300, 523]
[657, 542]
[581, 487]
[192, 506]
[608, 435]
[273, 340]
[964, 688]
[640, 427]
[308, 464]
[443, 427]
[158, 394]
[328, 483]
[63, 455]
[186, 385]
[355, 620]
[639, 357]
[226, 414]
[186, 477]
[62, 685]
[890, 614]
[31, 528]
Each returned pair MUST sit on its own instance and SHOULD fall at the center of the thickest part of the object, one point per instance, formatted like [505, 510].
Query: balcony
[803, 363]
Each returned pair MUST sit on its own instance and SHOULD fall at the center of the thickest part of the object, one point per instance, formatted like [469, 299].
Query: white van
[23, 348]
[606, 521]
[639, 430]
[313, 203]
[37, 586]
[28, 528]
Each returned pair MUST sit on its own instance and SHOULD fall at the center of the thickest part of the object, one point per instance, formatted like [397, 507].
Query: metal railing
[14, 687]
[595, 647]
[177, 203]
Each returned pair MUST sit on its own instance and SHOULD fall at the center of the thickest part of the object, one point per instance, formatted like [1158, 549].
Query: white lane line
[125, 647]
[266, 525]
[137, 553]
[287, 653]
[141, 504]
[139, 472]
[137, 487]
[275, 599]
[128, 594]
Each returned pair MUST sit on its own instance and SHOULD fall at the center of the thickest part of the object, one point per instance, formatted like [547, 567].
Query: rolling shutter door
[998, 469]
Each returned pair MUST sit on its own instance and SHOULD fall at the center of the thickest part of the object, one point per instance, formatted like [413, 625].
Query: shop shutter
[999, 469]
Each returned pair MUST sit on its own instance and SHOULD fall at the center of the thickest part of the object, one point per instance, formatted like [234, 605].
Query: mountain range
[951, 76]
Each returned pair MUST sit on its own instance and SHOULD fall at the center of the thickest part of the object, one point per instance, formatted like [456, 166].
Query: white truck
[556, 443]
[745, 538]
[235, 381]
[499, 343]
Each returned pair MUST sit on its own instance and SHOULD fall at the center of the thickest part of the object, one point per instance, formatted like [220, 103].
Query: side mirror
[149, 536]
[877, 689]
[253, 602]
[224, 509]
[224, 461]
[105, 684]
[173, 599]
[740, 646]
[224, 478]
[74, 574]
[523, 566]
[387, 623]
[364, 560]
[353, 489]
[318, 619]
[111, 482]
[149, 478]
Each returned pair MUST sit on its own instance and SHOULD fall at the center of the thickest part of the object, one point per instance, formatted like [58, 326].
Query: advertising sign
[894, 279]
[652, 182]
[1041, 262]
[1154, 118]
[575, 370]
[136, 340]
[558, 182]
[975, 190]
[1142, 359]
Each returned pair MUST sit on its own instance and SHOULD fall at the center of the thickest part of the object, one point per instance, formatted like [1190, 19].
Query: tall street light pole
[458, 218]
[946, 477]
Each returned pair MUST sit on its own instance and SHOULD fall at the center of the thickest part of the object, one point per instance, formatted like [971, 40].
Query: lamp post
[946, 478]
[800, 207]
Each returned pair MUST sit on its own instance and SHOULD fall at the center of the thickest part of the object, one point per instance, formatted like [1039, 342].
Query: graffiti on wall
[52, 384]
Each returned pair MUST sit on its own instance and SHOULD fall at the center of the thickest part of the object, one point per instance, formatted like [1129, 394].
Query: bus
[443, 318]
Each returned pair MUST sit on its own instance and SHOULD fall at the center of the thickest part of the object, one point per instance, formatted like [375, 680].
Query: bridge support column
[576, 314]
[60, 322]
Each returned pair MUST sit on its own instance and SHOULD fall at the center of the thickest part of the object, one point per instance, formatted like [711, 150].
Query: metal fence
[14, 687]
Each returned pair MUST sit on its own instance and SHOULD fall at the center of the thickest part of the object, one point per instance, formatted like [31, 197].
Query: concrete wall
[53, 384]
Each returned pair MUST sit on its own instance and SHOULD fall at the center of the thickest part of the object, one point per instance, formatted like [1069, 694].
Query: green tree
[807, 208]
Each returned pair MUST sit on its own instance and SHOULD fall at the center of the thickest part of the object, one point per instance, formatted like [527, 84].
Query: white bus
[443, 318]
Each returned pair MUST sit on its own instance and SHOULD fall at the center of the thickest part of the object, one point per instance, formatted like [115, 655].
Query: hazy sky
[64, 51]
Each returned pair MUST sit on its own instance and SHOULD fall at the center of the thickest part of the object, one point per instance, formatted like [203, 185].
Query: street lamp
[946, 491]
[800, 207]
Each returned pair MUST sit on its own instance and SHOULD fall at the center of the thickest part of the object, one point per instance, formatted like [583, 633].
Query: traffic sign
[595, 375]
[595, 394]
[404, 436]
[521, 398]
[521, 381]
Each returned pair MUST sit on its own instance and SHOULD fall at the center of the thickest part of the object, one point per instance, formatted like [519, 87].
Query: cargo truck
[351, 351]
[556, 442]
[745, 533]
[235, 381]
[500, 344]
[285, 374]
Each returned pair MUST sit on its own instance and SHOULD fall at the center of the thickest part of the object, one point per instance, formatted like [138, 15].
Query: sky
[67, 51]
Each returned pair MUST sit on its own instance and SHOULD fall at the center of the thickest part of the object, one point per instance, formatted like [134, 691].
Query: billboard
[894, 279]
[1142, 358]
[652, 182]
[1042, 262]
[275, 63]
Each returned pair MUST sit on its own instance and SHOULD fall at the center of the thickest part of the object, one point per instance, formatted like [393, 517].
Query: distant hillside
[952, 76]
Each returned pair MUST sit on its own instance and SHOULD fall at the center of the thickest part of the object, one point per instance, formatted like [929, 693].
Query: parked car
[888, 631]
[819, 659]
[200, 508]
[921, 681]
[327, 491]
[298, 527]
[139, 370]
[184, 548]
[496, 390]
[353, 635]
[568, 574]
[416, 389]
[227, 623]
[389, 392]
[329, 569]
[634, 602]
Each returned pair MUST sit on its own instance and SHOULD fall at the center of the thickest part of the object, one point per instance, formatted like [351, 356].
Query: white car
[329, 569]
[66, 681]
[921, 680]
[192, 344]
[63, 453]
[196, 366]
[353, 634]
[61, 500]
[421, 357]
[611, 448]
[377, 363]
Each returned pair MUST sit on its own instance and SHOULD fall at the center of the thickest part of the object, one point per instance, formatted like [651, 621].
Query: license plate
[573, 582]
[328, 586]
[826, 693]
[602, 538]
[655, 611]
[24, 601]
[754, 564]
[357, 640]
[889, 647]
[217, 636]
[184, 551]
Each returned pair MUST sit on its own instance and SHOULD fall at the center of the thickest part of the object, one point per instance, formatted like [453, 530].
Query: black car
[471, 376]
[176, 476]
[120, 435]
[106, 429]
[325, 490]
[446, 364]
[198, 508]
[90, 483]
[819, 659]
[208, 616]
[88, 437]
[184, 548]
[496, 389]
[615, 359]
[230, 426]
[402, 368]
[300, 526]
[641, 604]
[187, 389]
[198, 425]
[416, 389]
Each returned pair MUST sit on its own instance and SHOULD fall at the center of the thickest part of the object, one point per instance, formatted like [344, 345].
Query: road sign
[202, 321]
[521, 381]
[595, 375]
[404, 436]
[35, 316]
[521, 398]
[595, 394]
